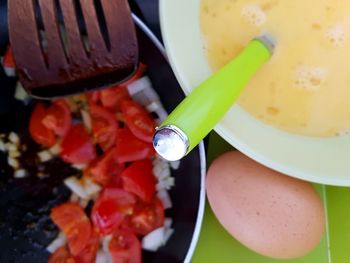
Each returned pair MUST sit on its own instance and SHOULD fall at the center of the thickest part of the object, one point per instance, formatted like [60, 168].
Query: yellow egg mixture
[305, 87]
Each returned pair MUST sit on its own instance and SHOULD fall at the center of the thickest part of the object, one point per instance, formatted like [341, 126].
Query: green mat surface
[217, 246]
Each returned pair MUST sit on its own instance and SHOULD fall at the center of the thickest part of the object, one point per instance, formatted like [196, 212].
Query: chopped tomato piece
[138, 74]
[88, 254]
[9, 61]
[125, 247]
[74, 223]
[104, 126]
[93, 97]
[138, 179]
[138, 120]
[129, 148]
[77, 147]
[61, 255]
[115, 182]
[58, 118]
[112, 206]
[113, 96]
[40, 133]
[106, 168]
[147, 217]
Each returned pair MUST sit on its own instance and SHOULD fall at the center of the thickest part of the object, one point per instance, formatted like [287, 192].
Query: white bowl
[318, 160]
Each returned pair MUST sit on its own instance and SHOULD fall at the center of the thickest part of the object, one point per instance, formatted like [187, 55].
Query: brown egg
[270, 213]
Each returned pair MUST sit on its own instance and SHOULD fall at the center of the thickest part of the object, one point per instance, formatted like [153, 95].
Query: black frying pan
[26, 229]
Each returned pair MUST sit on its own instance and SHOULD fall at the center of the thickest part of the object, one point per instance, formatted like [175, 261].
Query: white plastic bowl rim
[320, 160]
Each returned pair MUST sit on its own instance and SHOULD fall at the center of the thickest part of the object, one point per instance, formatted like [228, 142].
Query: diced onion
[41, 175]
[168, 222]
[139, 85]
[55, 150]
[20, 93]
[85, 188]
[153, 106]
[166, 184]
[161, 172]
[154, 240]
[164, 196]
[57, 243]
[158, 237]
[105, 243]
[157, 108]
[2, 146]
[101, 257]
[79, 166]
[14, 163]
[11, 147]
[75, 186]
[161, 169]
[20, 173]
[9, 71]
[83, 203]
[86, 120]
[91, 188]
[14, 138]
[142, 92]
[44, 156]
[74, 198]
[175, 165]
[14, 154]
[105, 247]
[159, 161]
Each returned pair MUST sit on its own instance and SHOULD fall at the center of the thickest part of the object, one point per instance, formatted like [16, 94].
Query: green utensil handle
[198, 113]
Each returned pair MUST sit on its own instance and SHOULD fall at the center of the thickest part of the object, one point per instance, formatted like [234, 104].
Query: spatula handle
[198, 113]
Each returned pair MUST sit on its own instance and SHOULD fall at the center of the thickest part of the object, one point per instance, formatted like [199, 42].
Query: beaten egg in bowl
[318, 158]
[305, 87]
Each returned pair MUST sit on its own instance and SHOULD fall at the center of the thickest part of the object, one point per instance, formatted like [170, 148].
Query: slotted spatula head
[62, 47]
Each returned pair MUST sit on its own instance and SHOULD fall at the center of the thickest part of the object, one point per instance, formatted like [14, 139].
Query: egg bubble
[310, 78]
[344, 132]
[254, 14]
[336, 35]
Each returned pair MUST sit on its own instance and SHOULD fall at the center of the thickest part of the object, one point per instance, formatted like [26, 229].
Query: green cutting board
[215, 245]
